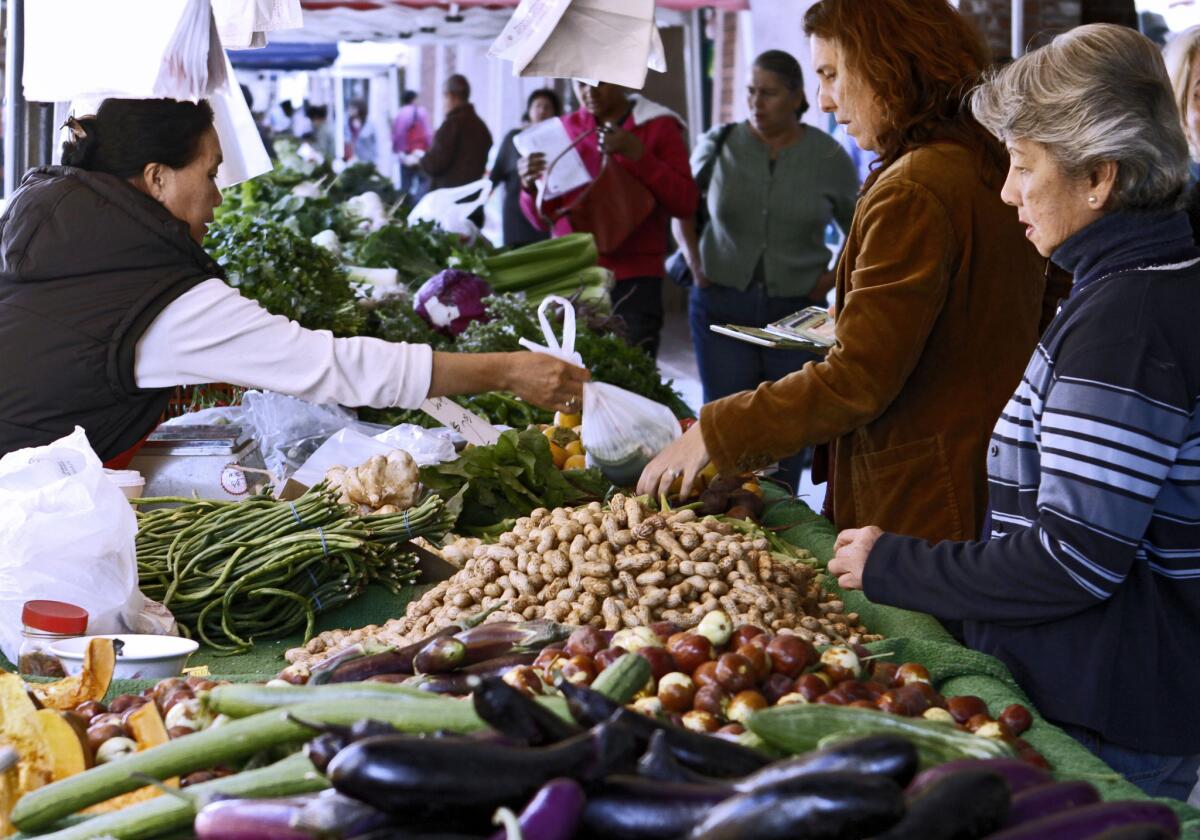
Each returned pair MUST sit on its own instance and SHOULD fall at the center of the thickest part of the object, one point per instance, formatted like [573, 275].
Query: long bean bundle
[233, 572]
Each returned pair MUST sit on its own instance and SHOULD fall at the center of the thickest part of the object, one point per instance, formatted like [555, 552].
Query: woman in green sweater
[774, 185]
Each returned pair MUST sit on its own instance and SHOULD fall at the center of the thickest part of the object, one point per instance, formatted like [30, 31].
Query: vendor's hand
[546, 381]
[685, 457]
[530, 169]
[615, 140]
[850, 554]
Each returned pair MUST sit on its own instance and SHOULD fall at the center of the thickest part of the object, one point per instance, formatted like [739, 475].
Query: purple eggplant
[966, 805]
[1020, 775]
[886, 755]
[400, 774]
[552, 814]
[326, 815]
[1137, 831]
[1039, 802]
[441, 655]
[324, 671]
[1086, 822]
[633, 808]
[519, 716]
[500, 638]
[465, 680]
[660, 764]
[825, 805]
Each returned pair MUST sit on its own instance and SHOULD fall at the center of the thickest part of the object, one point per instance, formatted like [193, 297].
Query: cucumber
[623, 679]
[155, 817]
[238, 700]
[802, 728]
[230, 743]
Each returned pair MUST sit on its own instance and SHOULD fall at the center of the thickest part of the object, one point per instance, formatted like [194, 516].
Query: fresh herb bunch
[393, 318]
[287, 274]
[489, 485]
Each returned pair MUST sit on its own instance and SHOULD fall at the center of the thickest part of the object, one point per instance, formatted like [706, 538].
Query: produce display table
[910, 636]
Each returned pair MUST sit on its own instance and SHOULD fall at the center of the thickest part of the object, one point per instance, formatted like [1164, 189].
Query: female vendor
[1089, 586]
[108, 301]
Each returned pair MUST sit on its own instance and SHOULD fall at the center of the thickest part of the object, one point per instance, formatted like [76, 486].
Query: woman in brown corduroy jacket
[940, 297]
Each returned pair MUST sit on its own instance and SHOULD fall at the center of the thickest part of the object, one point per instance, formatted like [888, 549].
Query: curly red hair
[921, 58]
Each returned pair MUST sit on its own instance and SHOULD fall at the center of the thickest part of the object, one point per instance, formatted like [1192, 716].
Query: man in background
[460, 148]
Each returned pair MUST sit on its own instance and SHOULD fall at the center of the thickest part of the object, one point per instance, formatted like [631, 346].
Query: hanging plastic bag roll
[622, 431]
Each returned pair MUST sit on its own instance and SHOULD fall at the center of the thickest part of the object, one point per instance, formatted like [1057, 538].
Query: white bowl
[143, 657]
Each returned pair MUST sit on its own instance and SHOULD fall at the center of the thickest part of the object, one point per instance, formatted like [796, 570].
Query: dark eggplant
[553, 813]
[324, 670]
[825, 806]
[1137, 831]
[713, 757]
[1020, 775]
[633, 808]
[440, 656]
[518, 716]
[466, 680]
[1086, 822]
[402, 774]
[882, 755]
[321, 749]
[329, 814]
[660, 764]
[965, 806]
[1043, 801]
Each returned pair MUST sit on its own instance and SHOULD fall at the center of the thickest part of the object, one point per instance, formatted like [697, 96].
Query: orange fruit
[576, 462]
[575, 447]
[559, 454]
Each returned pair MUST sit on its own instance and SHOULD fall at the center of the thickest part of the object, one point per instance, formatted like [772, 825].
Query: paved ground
[677, 361]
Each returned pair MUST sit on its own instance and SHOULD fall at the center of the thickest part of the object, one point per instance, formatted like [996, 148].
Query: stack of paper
[603, 40]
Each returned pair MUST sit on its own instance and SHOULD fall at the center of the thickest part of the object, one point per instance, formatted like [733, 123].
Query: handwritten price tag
[474, 428]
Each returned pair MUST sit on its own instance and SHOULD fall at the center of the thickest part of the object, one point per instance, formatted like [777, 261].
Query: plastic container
[131, 482]
[46, 624]
[142, 657]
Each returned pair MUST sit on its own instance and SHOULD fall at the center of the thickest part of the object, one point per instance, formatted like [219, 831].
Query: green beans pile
[233, 572]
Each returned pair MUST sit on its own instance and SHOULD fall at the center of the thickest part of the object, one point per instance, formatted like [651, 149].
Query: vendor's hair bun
[125, 135]
[80, 148]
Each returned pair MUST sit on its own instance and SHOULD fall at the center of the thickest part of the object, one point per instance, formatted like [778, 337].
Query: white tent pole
[1018, 28]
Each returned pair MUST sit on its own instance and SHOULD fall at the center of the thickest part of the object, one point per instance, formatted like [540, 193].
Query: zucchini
[238, 700]
[163, 814]
[623, 679]
[802, 728]
[230, 743]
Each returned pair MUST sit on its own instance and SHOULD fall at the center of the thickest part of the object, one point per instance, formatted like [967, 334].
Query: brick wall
[1043, 20]
[724, 32]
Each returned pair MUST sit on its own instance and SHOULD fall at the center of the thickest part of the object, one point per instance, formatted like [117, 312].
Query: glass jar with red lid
[46, 623]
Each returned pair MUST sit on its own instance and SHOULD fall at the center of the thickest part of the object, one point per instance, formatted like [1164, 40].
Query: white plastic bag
[622, 431]
[67, 534]
[448, 210]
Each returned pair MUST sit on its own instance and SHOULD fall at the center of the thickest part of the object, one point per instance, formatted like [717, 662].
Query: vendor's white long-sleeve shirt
[213, 334]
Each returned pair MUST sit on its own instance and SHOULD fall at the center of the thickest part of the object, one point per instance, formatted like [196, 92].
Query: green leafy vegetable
[489, 485]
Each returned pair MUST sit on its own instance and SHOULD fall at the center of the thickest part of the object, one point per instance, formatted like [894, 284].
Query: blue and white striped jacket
[1089, 586]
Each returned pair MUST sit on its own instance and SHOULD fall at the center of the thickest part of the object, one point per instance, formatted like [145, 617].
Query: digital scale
[206, 462]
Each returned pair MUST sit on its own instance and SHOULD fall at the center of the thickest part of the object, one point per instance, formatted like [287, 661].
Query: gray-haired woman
[1089, 587]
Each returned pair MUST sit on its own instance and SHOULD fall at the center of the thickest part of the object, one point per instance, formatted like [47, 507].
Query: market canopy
[429, 22]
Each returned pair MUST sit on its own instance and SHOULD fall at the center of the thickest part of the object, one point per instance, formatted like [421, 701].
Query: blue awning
[285, 56]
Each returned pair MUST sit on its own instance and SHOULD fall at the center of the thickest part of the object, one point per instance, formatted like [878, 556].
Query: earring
[1092, 200]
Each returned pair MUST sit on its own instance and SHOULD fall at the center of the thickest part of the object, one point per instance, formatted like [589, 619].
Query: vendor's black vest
[87, 262]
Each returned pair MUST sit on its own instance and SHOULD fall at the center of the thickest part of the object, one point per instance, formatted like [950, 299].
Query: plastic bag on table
[622, 431]
[450, 208]
[289, 430]
[426, 446]
[68, 535]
